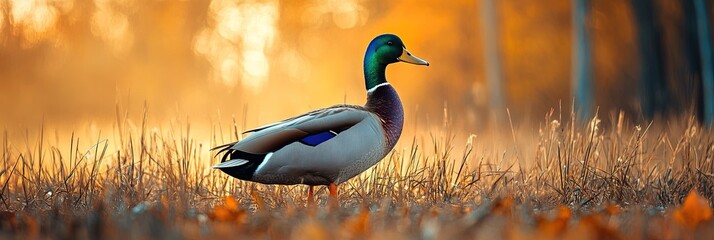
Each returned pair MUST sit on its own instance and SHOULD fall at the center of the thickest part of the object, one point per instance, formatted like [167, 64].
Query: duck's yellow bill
[407, 57]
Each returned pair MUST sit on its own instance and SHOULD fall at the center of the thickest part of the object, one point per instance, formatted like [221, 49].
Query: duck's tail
[234, 158]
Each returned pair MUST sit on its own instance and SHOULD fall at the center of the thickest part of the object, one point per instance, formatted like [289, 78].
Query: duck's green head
[385, 49]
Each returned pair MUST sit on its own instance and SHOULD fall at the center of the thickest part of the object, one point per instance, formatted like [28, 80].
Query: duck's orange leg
[333, 190]
[333, 194]
[310, 195]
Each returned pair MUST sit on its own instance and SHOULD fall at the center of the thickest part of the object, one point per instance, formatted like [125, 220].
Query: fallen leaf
[228, 212]
[230, 203]
[555, 226]
[221, 213]
[359, 225]
[503, 206]
[693, 211]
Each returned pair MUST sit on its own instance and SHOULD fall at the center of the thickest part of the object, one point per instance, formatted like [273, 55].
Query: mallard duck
[331, 145]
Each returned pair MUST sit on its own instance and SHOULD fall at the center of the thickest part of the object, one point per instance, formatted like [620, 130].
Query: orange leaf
[693, 211]
[230, 203]
[612, 209]
[504, 206]
[557, 225]
[359, 225]
[564, 213]
[221, 213]
[229, 211]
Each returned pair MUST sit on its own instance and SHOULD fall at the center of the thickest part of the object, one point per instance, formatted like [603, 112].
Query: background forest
[70, 62]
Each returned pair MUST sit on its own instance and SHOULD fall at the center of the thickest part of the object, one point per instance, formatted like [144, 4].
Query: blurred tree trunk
[692, 66]
[582, 67]
[652, 81]
[707, 67]
[492, 48]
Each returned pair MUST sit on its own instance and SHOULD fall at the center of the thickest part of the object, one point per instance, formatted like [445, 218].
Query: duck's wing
[313, 128]
[302, 118]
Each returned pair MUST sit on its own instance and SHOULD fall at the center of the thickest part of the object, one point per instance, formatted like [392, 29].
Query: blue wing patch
[317, 138]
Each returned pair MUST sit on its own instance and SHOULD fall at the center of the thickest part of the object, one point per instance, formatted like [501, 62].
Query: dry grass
[583, 180]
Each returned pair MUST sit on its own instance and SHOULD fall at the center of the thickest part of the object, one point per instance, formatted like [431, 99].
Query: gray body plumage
[334, 161]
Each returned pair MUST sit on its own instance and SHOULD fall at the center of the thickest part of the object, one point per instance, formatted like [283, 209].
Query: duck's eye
[389, 43]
